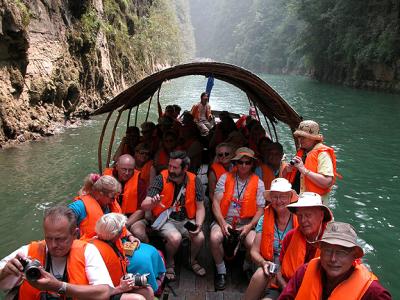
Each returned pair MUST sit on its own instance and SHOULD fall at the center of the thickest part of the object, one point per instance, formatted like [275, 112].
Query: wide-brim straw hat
[281, 185]
[309, 129]
[342, 234]
[309, 199]
[244, 151]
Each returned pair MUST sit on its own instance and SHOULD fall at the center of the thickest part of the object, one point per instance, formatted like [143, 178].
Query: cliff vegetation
[60, 59]
[356, 43]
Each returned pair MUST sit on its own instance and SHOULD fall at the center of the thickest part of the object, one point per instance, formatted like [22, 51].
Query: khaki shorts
[174, 226]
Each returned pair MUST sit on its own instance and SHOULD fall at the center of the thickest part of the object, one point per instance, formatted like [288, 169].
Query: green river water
[361, 125]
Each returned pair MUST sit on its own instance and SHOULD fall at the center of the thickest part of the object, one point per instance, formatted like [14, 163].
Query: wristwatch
[63, 289]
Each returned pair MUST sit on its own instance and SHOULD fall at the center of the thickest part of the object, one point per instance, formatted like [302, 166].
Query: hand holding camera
[192, 228]
[136, 280]
[31, 268]
[270, 269]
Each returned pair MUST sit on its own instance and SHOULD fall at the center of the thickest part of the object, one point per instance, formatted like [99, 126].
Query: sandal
[170, 274]
[198, 270]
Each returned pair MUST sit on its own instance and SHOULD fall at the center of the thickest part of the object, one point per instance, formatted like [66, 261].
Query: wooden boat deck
[188, 286]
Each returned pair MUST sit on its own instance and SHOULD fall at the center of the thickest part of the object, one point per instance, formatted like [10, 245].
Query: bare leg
[258, 283]
[146, 292]
[197, 242]
[132, 296]
[138, 229]
[216, 239]
[173, 241]
[248, 242]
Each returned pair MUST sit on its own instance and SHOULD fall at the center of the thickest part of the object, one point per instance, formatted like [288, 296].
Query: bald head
[125, 167]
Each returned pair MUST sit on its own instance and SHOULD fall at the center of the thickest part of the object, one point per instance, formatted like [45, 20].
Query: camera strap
[121, 257]
[49, 268]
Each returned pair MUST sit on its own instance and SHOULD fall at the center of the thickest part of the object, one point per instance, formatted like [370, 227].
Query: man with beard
[176, 200]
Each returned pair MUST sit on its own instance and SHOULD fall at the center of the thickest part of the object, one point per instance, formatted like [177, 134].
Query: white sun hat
[309, 199]
[281, 185]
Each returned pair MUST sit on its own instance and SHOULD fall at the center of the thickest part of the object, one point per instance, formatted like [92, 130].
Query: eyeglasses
[223, 154]
[281, 197]
[338, 253]
[244, 162]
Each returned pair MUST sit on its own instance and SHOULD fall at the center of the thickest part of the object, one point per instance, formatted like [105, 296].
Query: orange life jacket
[108, 171]
[268, 229]
[249, 201]
[76, 263]
[93, 214]
[167, 194]
[196, 111]
[311, 164]
[130, 194]
[353, 287]
[218, 170]
[145, 172]
[267, 175]
[116, 263]
[295, 254]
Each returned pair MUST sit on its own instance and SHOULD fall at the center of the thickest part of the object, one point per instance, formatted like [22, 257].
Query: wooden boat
[266, 101]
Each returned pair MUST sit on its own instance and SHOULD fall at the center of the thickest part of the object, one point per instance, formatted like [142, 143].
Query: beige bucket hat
[280, 185]
[309, 199]
[309, 129]
[342, 234]
[243, 151]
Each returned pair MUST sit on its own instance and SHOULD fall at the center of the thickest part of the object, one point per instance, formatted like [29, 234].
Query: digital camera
[273, 268]
[138, 280]
[231, 243]
[31, 268]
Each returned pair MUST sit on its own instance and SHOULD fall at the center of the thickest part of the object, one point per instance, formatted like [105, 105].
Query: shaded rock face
[49, 75]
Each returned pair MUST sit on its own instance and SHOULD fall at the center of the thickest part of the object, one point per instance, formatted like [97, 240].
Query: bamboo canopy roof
[264, 97]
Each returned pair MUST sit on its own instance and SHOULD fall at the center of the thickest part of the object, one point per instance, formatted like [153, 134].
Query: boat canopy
[260, 94]
[265, 98]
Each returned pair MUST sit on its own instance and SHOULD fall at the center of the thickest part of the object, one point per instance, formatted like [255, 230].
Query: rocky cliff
[61, 59]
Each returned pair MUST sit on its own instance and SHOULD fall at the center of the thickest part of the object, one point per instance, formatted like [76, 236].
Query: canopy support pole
[112, 139]
[258, 116]
[276, 135]
[137, 109]
[99, 159]
[148, 107]
[129, 118]
[269, 128]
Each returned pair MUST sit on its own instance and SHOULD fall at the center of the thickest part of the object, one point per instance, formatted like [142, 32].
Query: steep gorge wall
[61, 59]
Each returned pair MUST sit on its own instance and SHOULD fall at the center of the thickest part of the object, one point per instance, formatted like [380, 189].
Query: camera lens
[33, 273]
[292, 162]
[140, 280]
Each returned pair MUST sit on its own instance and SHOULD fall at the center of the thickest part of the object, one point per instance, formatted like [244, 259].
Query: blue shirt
[278, 234]
[79, 209]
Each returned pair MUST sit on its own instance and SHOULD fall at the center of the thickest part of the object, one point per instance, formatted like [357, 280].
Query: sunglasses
[223, 154]
[244, 162]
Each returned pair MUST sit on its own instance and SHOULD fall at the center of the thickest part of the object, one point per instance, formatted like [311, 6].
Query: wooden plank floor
[188, 286]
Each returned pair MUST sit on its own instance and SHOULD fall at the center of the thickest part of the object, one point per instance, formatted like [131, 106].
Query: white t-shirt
[96, 270]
